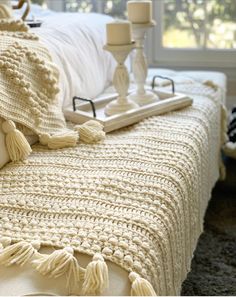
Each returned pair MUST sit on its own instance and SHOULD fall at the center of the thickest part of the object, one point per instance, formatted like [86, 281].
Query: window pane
[40, 2]
[183, 24]
[115, 8]
[221, 26]
[199, 24]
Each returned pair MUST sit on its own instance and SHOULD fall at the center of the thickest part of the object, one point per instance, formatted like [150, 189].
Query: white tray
[168, 102]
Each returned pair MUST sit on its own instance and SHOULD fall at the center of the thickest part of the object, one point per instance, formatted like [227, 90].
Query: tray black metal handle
[86, 100]
[163, 77]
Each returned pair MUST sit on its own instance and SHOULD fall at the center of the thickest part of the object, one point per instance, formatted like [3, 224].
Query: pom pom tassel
[211, 84]
[140, 286]
[60, 262]
[91, 131]
[96, 276]
[230, 149]
[58, 141]
[17, 145]
[18, 253]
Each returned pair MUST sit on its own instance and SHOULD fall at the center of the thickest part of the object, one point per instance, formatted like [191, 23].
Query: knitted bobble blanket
[137, 199]
[28, 91]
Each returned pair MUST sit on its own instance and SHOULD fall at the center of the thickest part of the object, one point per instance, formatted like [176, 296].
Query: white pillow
[76, 40]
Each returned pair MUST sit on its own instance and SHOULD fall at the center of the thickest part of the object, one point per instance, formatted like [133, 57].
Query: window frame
[177, 57]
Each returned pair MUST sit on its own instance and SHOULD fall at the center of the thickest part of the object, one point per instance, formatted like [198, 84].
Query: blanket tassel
[224, 139]
[140, 286]
[5, 12]
[91, 131]
[224, 124]
[60, 140]
[60, 262]
[96, 276]
[18, 253]
[16, 143]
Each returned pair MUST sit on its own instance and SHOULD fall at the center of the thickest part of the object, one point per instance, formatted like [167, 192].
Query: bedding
[77, 48]
[155, 176]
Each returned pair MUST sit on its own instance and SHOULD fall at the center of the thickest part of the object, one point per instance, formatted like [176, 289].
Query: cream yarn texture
[137, 199]
[5, 9]
[28, 91]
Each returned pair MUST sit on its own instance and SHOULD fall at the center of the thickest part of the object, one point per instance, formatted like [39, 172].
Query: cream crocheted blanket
[29, 92]
[137, 199]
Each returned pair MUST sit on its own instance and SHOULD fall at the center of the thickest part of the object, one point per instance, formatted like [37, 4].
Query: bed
[138, 198]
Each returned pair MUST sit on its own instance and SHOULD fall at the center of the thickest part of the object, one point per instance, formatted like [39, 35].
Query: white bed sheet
[76, 42]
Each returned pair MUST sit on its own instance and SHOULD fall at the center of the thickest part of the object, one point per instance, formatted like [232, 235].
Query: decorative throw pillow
[29, 101]
[29, 92]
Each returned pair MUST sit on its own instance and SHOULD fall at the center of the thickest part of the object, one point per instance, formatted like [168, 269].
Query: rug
[213, 270]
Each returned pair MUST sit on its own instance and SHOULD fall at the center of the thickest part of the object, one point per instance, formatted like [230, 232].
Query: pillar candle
[119, 33]
[139, 12]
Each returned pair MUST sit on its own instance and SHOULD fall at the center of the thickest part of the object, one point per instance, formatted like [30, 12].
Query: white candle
[119, 33]
[139, 12]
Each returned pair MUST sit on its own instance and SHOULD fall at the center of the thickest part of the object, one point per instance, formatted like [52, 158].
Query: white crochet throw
[137, 199]
[28, 91]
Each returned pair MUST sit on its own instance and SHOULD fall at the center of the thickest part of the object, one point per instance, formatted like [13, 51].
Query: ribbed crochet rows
[138, 199]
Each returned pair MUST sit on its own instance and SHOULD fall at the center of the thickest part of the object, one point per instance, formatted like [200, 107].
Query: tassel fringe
[91, 131]
[230, 149]
[5, 12]
[224, 139]
[96, 276]
[18, 253]
[58, 141]
[63, 263]
[5, 241]
[60, 262]
[224, 125]
[17, 145]
[211, 84]
[140, 286]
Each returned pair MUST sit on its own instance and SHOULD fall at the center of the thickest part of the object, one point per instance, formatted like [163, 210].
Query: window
[199, 24]
[115, 8]
[189, 33]
[195, 33]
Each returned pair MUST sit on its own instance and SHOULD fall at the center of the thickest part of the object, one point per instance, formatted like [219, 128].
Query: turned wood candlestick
[140, 66]
[120, 80]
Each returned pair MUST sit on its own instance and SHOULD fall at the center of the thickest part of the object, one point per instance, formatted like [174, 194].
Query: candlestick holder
[141, 96]
[120, 80]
